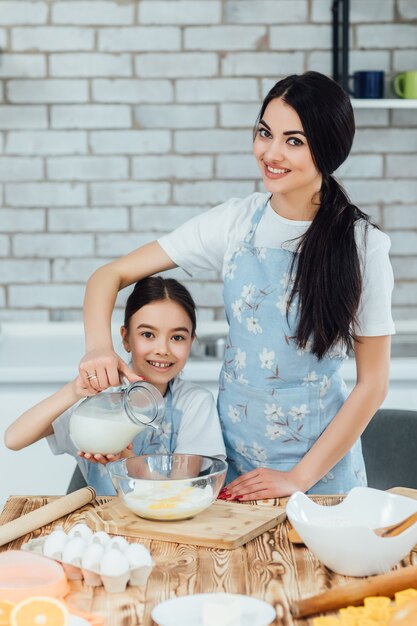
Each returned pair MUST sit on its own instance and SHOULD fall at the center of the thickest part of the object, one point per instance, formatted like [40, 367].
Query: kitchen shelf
[384, 103]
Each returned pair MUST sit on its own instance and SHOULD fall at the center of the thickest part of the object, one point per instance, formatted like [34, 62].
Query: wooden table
[268, 567]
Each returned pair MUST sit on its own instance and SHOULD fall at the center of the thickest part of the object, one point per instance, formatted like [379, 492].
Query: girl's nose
[162, 347]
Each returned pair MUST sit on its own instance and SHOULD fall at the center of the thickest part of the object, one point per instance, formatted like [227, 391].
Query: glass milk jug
[108, 422]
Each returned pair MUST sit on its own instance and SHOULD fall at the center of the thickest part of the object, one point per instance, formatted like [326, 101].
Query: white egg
[100, 537]
[138, 555]
[54, 544]
[92, 556]
[80, 530]
[114, 563]
[118, 543]
[74, 550]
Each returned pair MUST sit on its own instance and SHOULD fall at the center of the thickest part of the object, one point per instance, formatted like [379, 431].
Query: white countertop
[50, 352]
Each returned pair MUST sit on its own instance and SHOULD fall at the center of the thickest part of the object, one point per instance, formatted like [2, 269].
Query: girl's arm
[36, 423]
[100, 296]
[372, 355]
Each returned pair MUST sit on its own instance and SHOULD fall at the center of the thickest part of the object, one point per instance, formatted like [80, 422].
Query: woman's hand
[103, 368]
[106, 458]
[261, 484]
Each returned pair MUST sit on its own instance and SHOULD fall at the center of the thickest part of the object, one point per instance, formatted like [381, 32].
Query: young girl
[306, 278]
[158, 332]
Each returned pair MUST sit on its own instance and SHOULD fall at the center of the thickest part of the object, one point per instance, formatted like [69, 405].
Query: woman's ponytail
[328, 277]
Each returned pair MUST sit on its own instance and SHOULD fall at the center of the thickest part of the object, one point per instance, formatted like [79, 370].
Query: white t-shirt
[207, 242]
[199, 431]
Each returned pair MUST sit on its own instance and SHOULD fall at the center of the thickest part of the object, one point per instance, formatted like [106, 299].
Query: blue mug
[368, 84]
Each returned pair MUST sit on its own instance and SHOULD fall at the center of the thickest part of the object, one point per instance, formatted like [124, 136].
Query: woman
[306, 278]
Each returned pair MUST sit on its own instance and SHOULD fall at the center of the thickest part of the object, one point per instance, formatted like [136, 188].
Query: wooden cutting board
[225, 525]
[404, 491]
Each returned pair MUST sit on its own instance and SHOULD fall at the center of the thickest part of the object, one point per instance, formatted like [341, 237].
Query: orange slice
[5, 610]
[39, 611]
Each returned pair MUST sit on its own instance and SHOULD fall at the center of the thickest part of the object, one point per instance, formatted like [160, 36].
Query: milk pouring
[108, 422]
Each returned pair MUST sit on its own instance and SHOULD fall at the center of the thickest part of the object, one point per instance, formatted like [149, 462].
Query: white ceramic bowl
[209, 608]
[341, 536]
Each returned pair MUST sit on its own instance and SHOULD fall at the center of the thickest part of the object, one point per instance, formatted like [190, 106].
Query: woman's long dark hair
[328, 277]
[155, 289]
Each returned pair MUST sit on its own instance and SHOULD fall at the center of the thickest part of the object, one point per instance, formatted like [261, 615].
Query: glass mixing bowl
[168, 486]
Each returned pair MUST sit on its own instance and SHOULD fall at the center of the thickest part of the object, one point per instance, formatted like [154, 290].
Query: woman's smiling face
[159, 339]
[282, 152]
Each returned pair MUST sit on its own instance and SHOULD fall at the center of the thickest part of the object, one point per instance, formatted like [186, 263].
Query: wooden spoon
[387, 531]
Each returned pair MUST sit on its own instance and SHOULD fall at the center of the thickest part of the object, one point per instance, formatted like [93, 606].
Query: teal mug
[405, 84]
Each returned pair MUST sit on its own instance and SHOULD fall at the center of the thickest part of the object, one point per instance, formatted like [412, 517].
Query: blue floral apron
[149, 441]
[275, 399]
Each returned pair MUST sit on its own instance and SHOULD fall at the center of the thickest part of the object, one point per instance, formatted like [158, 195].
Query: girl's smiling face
[282, 152]
[159, 339]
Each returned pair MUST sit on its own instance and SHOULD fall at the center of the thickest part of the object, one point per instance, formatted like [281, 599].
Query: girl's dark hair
[328, 279]
[156, 288]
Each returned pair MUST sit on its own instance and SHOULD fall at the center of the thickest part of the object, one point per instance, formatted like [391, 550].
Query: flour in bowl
[168, 500]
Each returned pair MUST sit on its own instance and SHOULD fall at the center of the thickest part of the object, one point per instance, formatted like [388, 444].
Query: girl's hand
[106, 458]
[260, 484]
[103, 368]
[80, 389]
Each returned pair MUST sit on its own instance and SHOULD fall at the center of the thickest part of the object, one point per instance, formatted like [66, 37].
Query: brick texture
[119, 120]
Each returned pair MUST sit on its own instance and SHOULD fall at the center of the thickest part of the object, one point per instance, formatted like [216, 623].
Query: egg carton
[96, 558]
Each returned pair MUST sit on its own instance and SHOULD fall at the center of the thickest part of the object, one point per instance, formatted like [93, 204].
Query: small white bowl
[189, 610]
[341, 536]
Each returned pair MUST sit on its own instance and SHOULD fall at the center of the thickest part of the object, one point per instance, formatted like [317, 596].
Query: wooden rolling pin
[45, 514]
[354, 593]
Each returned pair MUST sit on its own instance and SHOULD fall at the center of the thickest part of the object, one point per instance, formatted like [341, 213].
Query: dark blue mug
[368, 84]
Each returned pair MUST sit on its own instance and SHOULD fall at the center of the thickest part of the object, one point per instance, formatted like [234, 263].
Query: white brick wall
[18, 65]
[178, 65]
[90, 64]
[169, 166]
[139, 39]
[121, 120]
[176, 116]
[134, 91]
[223, 37]
[87, 168]
[180, 12]
[162, 218]
[52, 245]
[22, 220]
[45, 194]
[265, 12]
[20, 12]
[17, 117]
[47, 91]
[21, 168]
[203, 141]
[217, 90]
[91, 116]
[96, 12]
[130, 142]
[261, 63]
[52, 38]
[48, 142]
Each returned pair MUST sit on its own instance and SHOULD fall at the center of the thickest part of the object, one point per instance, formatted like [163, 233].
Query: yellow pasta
[375, 611]
[404, 596]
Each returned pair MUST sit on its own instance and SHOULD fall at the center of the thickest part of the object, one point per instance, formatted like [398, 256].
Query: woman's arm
[372, 355]
[100, 296]
[36, 423]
